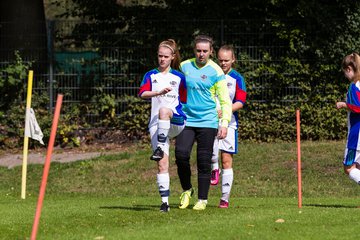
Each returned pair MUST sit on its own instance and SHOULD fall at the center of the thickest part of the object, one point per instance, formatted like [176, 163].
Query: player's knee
[182, 157]
[204, 168]
[164, 113]
[347, 169]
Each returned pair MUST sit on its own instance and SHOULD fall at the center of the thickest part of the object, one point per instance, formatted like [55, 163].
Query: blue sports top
[202, 85]
[353, 104]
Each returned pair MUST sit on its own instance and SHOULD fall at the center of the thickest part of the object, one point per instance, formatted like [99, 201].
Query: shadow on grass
[330, 206]
[133, 208]
[146, 207]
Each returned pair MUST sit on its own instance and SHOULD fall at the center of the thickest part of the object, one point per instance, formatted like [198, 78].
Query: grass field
[115, 197]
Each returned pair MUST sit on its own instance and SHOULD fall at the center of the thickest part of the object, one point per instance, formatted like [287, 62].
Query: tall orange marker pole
[298, 158]
[46, 167]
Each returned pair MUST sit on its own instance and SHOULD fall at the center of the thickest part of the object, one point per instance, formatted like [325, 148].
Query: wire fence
[87, 59]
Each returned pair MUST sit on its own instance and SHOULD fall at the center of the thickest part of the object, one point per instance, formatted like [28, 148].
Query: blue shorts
[351, 156]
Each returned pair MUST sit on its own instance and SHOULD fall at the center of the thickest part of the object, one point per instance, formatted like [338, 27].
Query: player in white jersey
[166, 88]
[229, 145]
[351, 161]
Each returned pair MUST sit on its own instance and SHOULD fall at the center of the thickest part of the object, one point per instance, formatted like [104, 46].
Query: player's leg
[227, 177]
[165, 114]
[350, 162]
[163, 182]
[215, 171]
[205, 141]
[162, 177]
[183, 147]
[228, 147]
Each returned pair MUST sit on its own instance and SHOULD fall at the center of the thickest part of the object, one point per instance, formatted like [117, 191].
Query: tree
[23, 28]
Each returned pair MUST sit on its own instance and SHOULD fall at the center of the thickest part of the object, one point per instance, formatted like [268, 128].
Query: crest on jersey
[203, 77]
[173, 83]
[229, 84]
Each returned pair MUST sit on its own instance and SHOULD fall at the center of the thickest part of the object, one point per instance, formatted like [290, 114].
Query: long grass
[115, 197]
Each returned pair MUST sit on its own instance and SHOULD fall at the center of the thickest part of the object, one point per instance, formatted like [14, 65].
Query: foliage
[303, 73]
[12, 80]
[136, 117]
[105, 108]
[13, 85]
[70, 124]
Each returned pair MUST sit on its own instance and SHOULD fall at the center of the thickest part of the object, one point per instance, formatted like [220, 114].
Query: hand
[222, 133]
[340, 105]
[165, 90]
[219, 113]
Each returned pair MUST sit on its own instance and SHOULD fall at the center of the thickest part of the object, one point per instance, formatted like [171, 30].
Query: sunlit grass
[116, 197]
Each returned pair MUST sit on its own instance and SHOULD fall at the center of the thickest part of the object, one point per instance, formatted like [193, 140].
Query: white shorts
[351, 156]
[228, 144]
[173, 132]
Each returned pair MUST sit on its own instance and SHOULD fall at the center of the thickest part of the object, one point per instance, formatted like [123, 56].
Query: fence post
[222, 31]
[50, 46]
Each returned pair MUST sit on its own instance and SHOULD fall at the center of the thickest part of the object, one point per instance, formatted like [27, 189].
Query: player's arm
[240, 94]
[237, 106]
[222, 93]
[353, 99]
[150, 94]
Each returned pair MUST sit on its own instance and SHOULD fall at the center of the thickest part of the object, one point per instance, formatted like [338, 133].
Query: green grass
[115, 197]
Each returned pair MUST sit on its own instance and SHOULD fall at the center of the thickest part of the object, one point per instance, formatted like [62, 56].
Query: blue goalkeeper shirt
[203, 84]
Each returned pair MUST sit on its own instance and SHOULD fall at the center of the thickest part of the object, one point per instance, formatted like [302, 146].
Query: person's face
[165, 56]
[226, 59]
[349, 73]
[202, 52]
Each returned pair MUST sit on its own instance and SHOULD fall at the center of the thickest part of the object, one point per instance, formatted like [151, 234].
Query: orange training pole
[46, 167]
[298, 158]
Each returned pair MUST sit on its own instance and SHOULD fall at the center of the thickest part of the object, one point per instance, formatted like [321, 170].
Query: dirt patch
[62, 155]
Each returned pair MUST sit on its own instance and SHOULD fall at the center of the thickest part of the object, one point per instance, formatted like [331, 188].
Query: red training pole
[298, 158]
[46, 167]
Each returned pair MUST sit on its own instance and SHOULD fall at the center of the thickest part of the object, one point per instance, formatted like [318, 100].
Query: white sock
[226, 183]
[214, 166]
[203, 200]
[163, 182]
[163, 131]
[215, 155]
[355, 175]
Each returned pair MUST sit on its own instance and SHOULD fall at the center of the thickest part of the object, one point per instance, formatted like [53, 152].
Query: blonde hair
[352, 60]
[228, 48]
[171, 44]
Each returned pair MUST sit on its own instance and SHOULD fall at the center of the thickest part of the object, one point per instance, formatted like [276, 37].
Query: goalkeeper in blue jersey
[204, 80]
[351, 69]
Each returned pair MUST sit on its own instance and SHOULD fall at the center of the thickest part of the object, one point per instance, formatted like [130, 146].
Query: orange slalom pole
[298, 158]
[46, 166]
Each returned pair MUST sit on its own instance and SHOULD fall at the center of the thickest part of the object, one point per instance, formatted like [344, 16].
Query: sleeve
[145, 84]
[183, 90]
[353, 99]
[222, 93]
[240, 91]
[218, 107]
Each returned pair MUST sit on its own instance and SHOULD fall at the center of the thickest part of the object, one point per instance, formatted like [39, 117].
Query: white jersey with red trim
[237, 93]
[155, 80]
